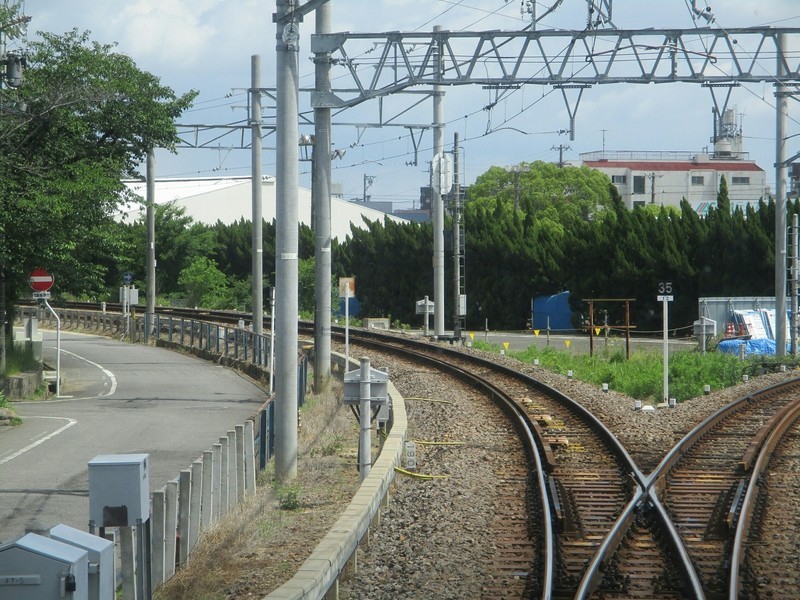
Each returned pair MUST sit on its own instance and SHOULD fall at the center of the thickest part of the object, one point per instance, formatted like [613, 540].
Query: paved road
[123, 399]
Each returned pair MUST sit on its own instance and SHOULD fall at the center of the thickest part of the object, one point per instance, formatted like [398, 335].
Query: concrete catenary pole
[456, 243]
[286, 80]
[150, 216]
[321, 201]
[437, 205]
[781, 186]
[795, 272]
[258, 230]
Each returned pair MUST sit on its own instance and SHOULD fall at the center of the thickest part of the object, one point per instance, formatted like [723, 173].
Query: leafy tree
[83, 118]
[204, 284]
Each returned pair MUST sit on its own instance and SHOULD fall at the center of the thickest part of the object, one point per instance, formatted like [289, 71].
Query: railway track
[594, 526]
[591, 483]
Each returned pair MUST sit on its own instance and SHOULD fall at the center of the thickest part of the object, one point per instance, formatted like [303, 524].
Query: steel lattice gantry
[559, 58]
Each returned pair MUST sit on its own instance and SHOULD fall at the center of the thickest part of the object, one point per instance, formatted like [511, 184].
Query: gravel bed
[429, 542]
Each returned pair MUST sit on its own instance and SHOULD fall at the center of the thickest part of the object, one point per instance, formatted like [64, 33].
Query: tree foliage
[83, 120]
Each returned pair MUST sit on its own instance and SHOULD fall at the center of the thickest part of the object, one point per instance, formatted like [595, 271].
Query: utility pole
[436, 199]
[652, 176]
[781, 181]
[321, 203]
[368, 181]
[561, 148]
[459, 305]
[286, 304]
[257, 251]
[150, 216]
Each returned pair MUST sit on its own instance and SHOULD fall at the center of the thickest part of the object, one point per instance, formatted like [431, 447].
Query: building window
[698, 180]
[619, 179]
[740, 180]
[638, 203]
[638, 184]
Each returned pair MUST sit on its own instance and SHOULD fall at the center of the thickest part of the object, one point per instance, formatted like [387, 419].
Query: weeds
[288, 496]
[641, 377]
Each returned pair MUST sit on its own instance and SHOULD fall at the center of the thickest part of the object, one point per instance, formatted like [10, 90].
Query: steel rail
[778, 429]
[533, 442]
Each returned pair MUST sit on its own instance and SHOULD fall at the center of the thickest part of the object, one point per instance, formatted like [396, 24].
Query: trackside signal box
[101, 559]
[119, 489]
[35, 567]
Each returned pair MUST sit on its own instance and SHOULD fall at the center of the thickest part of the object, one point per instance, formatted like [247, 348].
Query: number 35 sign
[665, 291]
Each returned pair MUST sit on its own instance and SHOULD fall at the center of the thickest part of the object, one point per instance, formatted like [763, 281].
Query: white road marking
[70, 423]
[105, 371]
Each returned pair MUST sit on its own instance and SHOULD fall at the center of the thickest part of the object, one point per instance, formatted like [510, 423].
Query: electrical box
[379, 387]
[705, 326]
[119, 489]
[37, 568]
[101, 559]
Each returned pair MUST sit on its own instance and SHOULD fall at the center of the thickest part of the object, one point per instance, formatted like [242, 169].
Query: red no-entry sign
[41, 280]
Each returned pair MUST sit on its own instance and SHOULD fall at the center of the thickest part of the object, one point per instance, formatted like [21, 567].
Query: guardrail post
[262, 439]
[244, 344]
[241, 483]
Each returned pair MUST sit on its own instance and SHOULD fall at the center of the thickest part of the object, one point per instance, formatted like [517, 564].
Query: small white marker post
[665, 297]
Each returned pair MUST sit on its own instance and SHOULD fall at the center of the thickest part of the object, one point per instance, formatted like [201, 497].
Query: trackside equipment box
[119, 489]
[101, 559]
[37, 568]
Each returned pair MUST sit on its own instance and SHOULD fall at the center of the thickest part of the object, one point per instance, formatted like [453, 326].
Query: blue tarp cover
[751, 347]
[557, 308]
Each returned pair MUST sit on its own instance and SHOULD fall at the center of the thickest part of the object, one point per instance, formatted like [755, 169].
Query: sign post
[665, 297]
[41, 281]
[347, 287]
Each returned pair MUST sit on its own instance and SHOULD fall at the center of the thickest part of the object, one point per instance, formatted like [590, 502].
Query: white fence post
[184, 512]
[194, 501]
[157, 538]
[216, 450]
[240, 481]
[224, 480]
[170, 528]
[207, 502]
[233, 484]
[128, 563]
[250, 457]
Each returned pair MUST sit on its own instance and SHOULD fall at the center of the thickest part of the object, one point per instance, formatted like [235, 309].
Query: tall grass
[19, 359]
[642, 376]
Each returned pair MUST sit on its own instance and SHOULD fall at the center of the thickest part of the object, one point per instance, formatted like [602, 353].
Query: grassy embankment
[642, 377]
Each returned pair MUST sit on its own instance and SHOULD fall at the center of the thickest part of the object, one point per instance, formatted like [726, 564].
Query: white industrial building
[229, 199]
[664, 178]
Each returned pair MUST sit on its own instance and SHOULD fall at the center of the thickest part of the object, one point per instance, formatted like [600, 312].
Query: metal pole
[255, 180]
[781, 175]
[795, 274]
[438, 209]
[151, 238]
[365, 413]
[286, 302]
[346, 325]
[665, 305]
[271, 342]
[321, 201]
[58, 348]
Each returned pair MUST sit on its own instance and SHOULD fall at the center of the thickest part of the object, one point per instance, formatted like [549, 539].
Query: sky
[206, 45]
